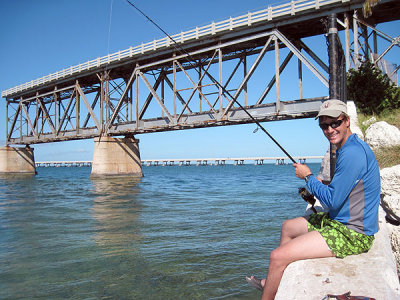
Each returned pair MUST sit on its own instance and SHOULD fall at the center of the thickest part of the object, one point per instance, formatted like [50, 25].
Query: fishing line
[189, 58]
[109, 27]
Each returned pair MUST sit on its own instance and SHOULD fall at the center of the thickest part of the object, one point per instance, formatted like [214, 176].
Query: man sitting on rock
[352, 198]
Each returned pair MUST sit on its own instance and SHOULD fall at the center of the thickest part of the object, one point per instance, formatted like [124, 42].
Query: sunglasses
[334, 124]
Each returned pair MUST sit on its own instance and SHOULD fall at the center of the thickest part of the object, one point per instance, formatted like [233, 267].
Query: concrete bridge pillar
[17, 160]
[116, 156]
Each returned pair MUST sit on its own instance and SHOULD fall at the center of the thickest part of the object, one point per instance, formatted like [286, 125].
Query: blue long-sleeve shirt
[353, 195]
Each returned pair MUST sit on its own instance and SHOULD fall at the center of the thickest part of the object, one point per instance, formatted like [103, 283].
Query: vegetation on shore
[372, 90]
[375, 95]
[387, 156]
[389, 116]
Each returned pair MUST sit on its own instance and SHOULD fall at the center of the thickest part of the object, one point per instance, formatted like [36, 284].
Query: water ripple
[177, 233]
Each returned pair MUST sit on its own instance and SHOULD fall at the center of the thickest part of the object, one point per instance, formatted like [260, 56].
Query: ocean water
[177, 233]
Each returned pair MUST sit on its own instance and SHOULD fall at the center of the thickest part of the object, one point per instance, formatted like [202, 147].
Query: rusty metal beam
[165, 110]
[251, 71]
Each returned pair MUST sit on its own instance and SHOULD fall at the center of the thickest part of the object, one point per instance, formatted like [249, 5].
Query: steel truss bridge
[173, 84]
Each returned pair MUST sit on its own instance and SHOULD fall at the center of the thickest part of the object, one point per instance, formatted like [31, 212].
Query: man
[352, 198]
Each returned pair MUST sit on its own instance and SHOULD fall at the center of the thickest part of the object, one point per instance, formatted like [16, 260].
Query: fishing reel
[308, 197]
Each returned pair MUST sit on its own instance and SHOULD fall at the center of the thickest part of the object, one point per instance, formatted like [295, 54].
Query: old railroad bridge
[178, 82]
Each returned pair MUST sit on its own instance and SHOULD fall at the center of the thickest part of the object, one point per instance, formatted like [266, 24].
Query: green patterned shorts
[341, 240]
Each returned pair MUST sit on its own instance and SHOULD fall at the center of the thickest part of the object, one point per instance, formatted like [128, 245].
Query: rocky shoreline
[390, 201]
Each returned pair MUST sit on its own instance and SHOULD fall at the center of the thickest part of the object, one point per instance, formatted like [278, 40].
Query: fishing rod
[225, 91]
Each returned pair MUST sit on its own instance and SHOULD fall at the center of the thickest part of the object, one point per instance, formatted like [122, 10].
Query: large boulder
[390, 181]
[382, 134]
[390, 202]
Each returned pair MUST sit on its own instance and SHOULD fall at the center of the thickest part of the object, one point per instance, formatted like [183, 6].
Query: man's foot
[255, 282]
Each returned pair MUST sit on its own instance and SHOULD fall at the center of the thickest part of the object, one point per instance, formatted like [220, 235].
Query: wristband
[308, 177]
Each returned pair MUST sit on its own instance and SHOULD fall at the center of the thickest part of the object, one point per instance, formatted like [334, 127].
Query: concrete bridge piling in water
[116, 156]
[17, 160]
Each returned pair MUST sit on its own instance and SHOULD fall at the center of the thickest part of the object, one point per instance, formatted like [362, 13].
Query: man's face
[338, 130]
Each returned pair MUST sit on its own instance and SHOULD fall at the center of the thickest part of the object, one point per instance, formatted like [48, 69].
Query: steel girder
[188, 90]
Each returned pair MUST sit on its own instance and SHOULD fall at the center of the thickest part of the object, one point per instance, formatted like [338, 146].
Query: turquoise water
[177, 233]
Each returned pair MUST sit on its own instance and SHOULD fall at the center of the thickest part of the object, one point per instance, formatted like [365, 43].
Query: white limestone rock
[394, 235]
[352, 113]
[390, 189]
[392, 202]
[390, 181]
[382, 134]
[369, 121]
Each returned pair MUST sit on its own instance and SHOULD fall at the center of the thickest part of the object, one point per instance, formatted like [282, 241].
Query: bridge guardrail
[270, 13]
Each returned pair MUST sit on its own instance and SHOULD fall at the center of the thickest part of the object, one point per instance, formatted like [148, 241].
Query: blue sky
[44, 36]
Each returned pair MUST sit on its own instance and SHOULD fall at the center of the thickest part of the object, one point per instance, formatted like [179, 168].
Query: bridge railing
[249, 19]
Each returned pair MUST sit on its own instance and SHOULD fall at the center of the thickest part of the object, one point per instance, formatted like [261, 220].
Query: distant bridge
[222, 160]
[57, 164]
[186, 161]
[103, 97]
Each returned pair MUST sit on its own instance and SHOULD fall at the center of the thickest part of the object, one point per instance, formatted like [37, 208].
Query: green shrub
[371, 90]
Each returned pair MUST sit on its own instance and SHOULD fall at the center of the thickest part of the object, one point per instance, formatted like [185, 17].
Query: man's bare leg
[293, 228]
[308, 245]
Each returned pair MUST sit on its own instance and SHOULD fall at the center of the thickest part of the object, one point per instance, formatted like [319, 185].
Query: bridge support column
[116, 156]
[17, 160]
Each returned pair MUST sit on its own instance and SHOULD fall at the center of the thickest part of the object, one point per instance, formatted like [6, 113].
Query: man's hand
[301, 170]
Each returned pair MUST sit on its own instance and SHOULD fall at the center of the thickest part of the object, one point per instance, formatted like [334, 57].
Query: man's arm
[349, 169]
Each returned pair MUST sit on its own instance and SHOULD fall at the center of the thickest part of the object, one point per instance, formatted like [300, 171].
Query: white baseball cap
[332, 108]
